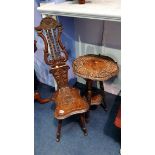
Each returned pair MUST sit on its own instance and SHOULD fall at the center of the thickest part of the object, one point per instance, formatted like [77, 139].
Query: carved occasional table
[95, 68]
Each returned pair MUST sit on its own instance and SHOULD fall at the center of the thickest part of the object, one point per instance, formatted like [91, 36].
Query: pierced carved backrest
[55, 54]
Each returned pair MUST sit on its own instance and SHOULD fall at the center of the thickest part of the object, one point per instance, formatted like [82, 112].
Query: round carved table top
[95, 67]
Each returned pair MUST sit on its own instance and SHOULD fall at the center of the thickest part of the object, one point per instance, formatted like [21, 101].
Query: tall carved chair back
[55, 54]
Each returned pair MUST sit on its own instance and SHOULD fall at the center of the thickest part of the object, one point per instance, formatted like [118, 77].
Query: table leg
[103, 104]
[89, 95]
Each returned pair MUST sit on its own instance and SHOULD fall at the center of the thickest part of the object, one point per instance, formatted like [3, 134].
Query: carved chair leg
[103, 104]
[82, 123]
[89, 95]
[58, 130]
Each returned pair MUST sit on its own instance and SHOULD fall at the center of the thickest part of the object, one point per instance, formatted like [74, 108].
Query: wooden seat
[93, 67]
[68, 100]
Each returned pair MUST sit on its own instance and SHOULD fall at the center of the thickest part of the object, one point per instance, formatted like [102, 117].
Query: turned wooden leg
[103, 104]
[89, 95]
[58, 130]
[83, 126]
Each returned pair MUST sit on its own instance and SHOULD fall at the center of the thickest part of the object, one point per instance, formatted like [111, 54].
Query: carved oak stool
[95, 68]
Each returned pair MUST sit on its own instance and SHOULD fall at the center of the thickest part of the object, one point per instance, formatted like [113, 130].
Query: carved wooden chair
[68, 100]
